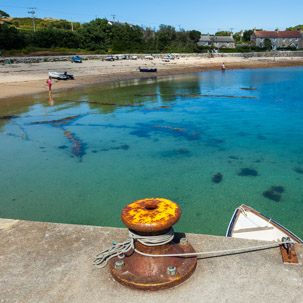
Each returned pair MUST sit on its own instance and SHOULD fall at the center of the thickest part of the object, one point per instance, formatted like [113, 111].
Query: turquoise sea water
[125, 153]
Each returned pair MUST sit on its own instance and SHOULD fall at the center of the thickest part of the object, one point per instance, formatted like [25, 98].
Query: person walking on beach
[223, 66]
[49, 83]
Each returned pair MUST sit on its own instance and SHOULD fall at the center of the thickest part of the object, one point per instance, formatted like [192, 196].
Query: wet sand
[29, 78]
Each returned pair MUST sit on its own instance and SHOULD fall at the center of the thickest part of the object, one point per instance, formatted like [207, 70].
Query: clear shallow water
[125, 153]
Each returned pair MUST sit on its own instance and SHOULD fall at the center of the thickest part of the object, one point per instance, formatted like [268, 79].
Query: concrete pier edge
[51, 262]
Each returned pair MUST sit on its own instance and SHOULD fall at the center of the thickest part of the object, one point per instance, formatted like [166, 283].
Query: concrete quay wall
[48, 262]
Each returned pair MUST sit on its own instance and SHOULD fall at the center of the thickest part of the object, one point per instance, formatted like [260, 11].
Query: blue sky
[205, 16]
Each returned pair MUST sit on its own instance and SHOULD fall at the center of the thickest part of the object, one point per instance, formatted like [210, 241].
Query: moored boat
[148, 70]
[247, 223]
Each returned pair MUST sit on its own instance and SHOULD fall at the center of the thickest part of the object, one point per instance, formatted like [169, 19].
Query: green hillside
[41, 23]
[295, 28]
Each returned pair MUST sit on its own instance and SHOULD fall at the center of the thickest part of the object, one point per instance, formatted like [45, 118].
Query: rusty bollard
[152, 217]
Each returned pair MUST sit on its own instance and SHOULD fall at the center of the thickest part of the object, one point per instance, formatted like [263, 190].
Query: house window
[261, 39]
[217, 43]
[283, 39]
[290, 39]
[296, 39]
[293, 45]
[274, 39]
[227, 44]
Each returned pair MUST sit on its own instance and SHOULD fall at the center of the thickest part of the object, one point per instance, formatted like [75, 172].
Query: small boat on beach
[149, 57]
[60, 76]
[76, 59]
[247, 223]
[147, 70]
[109, 58]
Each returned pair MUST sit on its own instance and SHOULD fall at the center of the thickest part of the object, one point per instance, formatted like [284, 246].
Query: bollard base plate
[150, 273]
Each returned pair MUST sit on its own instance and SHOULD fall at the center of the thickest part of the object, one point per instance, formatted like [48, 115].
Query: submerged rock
[233, 157]
[277, 188]
[217, 178]
[261, 137]
[124, 146]
[248, 172]
[298, 170]
[62, 147]
[270, 194]
[182, 151]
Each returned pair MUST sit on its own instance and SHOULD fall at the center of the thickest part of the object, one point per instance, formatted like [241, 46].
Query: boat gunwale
[234, 219]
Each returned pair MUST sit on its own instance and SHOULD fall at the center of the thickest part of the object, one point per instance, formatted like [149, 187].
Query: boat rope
[121, 249]
[243, 211]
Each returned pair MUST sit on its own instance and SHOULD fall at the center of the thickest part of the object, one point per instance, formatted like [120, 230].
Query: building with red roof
[279, 39]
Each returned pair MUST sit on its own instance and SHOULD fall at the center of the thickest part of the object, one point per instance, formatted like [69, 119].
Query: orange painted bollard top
[151, 215]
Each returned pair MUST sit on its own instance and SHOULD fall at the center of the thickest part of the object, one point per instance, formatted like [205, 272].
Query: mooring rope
[120, 249]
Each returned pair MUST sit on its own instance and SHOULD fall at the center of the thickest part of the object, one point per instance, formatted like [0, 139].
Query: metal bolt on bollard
[171, 270]
[183, 241]
[119, 264]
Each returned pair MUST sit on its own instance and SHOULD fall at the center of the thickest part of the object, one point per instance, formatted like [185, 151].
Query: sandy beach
[28, 78]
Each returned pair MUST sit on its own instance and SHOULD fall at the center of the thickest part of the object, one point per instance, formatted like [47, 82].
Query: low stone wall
[38, 59]
[271, 54]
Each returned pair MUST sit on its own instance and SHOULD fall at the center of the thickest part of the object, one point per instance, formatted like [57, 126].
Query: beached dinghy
[59, 76]
[76, 59]
[247, 223]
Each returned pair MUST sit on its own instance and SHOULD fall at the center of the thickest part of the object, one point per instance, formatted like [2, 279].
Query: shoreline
[30, 78]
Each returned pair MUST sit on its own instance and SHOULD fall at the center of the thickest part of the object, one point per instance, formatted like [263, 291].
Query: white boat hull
[247, 223]
[58, 76]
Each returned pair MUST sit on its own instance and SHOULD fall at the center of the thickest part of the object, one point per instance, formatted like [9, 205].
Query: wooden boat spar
[247, 223]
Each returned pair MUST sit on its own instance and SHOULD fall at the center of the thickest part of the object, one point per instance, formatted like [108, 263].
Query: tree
[194, 35]
[222, 33]
[55, 38]
[126, 38]
[96, 35]
[165, 36]
[11, 38]
[247, 34]
[295, 28]
[3, 14]
[267, 43]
